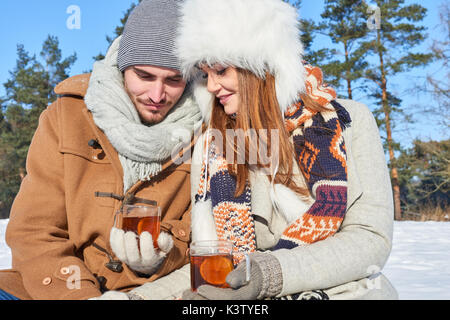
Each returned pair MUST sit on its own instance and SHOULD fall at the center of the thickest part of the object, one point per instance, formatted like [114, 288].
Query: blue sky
[29, 22]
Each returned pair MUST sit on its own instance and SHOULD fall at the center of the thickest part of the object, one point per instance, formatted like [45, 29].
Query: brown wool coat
[59, 228]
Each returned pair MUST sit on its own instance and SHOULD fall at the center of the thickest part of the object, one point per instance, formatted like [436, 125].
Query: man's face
[153, 90]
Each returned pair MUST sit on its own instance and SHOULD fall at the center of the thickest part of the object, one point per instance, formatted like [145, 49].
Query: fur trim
[257, 35]
[202, 221]
[288, 203]
[203, 98]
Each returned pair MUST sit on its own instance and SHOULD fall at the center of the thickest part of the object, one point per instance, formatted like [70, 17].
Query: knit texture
[321, 155]
[149, 35]
[232, 216]
[272, 278]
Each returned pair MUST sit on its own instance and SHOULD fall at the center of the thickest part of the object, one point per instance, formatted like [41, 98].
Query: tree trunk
[394, 172]
[387, 119]
[349, 82]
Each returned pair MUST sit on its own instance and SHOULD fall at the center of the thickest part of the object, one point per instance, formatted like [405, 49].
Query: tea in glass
[211, 262]
[140, 218]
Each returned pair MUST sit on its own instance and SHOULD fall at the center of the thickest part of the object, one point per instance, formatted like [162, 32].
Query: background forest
[373, 43]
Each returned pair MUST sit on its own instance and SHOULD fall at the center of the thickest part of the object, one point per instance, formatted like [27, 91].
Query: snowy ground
[419, 265]
[5, 252]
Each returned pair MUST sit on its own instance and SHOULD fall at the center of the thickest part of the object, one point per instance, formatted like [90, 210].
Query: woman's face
[223, 83]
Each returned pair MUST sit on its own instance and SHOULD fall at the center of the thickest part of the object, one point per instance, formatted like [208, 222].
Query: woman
[316, 219]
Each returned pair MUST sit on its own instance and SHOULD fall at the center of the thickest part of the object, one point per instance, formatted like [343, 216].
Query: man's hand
[143, 258]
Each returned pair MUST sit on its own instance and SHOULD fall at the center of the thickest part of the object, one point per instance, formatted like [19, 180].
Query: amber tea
[211, 261]
[141, 224]
[141, 218]
[212, 270]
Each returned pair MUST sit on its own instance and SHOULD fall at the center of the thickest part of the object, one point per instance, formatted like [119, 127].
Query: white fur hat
[256, 35]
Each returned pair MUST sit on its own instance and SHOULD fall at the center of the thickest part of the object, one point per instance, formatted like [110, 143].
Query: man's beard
[154, 120]
[136, 101]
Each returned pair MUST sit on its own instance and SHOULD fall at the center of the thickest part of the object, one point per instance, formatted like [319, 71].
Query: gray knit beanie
[149, 35]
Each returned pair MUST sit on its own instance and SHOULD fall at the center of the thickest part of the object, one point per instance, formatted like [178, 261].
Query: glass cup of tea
[140, 218]
[211, 262]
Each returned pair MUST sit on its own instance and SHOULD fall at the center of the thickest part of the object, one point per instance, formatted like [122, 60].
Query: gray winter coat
[347, 265]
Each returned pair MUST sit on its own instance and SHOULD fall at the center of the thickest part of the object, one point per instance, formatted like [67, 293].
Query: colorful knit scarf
[321, 155]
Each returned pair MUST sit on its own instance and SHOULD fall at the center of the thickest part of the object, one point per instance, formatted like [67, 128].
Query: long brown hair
[258, 109]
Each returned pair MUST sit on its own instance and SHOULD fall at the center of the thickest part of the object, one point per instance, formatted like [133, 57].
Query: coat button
[65, 270]
[46, 281]
[181, 233]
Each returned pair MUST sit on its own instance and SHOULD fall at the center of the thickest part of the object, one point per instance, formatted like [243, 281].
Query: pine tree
[424, 173]
[28, 92]
[308, 32]
[345, 25]
[440, 87]
[398, 33]
[56, 69]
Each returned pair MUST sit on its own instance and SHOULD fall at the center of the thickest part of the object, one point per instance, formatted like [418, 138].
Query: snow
[419, 265]
[5, 252]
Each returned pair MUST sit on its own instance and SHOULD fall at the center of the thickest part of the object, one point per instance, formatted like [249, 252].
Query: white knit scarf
[142, 149]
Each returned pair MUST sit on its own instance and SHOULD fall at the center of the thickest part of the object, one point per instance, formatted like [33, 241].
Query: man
[107, 141]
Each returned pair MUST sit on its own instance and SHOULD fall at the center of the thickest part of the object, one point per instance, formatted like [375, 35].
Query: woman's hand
[265, 281]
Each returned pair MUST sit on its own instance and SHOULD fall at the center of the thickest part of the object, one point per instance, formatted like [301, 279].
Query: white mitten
[146, 260]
